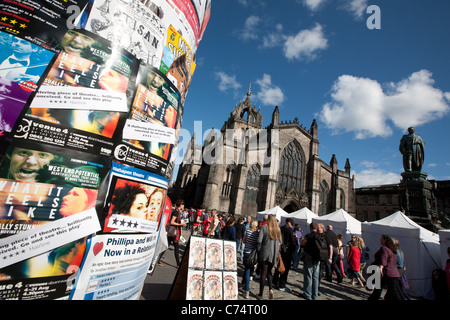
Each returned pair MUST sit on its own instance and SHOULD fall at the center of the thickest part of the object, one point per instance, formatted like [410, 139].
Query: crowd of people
[280, 249]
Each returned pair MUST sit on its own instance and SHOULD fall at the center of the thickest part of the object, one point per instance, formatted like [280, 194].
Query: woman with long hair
[386, 260]
[269, 241]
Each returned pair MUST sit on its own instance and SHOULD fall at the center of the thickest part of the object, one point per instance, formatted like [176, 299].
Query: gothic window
[323, 199]
[252, 183]
[228, 182]
[291, 166]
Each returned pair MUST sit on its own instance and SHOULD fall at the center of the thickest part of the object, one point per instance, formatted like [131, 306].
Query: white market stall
[420, 247]
[342, 222]
[302, 217]
[277, 211]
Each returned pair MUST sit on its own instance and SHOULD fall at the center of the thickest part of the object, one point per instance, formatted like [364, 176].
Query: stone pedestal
[417, 199]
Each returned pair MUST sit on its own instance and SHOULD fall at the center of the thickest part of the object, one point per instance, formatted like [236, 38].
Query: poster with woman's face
[214, 254]
[194, 289]
[197, 253]
[212, 285]
[134, 204]
[229, 255]
[230, 287]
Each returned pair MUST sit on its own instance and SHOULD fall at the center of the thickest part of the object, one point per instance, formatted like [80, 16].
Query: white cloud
[370, 177]
[361, 106]
[274, 39]
[313, 5]
[269, 93]
[250, 29]
[305, 44]
[227, 82]
[357, 7]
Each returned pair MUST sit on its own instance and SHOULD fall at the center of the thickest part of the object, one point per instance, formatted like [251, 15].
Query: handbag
[172, 231]
[251, 259]
[280, 264]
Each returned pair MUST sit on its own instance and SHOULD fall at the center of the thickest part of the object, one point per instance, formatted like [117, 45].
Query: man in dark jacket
[287, 250]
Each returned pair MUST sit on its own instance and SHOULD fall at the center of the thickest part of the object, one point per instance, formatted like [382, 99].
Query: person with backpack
[311, 267]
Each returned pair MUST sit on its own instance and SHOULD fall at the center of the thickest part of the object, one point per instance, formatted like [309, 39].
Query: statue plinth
[417, 198]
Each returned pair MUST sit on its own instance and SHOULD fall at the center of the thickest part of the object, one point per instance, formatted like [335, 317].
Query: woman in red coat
[353, 259]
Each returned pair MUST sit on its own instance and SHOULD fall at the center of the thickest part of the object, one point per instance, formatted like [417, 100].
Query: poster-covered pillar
[92, 96]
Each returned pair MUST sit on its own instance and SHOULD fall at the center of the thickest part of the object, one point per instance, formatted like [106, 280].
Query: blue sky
[317, 59]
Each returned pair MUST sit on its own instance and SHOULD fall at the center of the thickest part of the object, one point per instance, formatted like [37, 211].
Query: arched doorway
[290, 206]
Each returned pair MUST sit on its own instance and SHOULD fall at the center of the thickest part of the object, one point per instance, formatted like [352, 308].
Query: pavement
[158, 285]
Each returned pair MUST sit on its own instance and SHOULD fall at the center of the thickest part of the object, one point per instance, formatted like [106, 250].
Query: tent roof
[341, 217]
[303, 213]
[400, 220]
[277, 211]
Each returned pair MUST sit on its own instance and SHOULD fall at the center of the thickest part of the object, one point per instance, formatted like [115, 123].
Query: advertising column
[92, 97]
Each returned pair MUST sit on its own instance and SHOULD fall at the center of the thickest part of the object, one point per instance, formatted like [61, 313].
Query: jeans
[329, 268]
[311, 277]
[247, 273]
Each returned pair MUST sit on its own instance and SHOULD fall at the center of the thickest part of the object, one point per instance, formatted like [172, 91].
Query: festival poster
[21, 66]
[115, 267]
[84, 98]
[194, 289]
[43, 163]
[175, 17]
[48, 202]
[203, 10]
[214, 254]
[230, 286]
[212, 285]
[40, 22]
[134, 200]
[229, 255]
[132, 25]
[152, 123]
[197, 250]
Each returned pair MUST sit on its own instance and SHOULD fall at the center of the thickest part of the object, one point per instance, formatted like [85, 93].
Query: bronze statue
[412, 148]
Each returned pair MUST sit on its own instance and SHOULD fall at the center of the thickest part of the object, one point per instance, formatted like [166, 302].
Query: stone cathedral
[245, 168]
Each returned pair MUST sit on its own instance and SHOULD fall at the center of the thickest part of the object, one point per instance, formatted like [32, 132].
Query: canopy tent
[444, 239]
[342, 223]
[302, 217]
[420, 247]
[277, 211]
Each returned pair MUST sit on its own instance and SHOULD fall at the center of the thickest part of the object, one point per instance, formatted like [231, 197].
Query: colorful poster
[134, 200]
[214, 254]
[212, 285]
[115, 267]
[40, 22]
[21, 67]
[194, 289]
[84, 98]
[133, 25]
[156, 104]
[197, 254]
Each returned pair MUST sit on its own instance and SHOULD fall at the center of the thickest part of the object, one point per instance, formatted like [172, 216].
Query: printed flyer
[214, 254]
[115, 267]
[229, 255]
[156, 103]
[135, 26]
[230, 286]
[84, 98]
[22, 64]
[197, 250]
[194, 289]
[40, 22]
[134, 200]
[212, 288]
